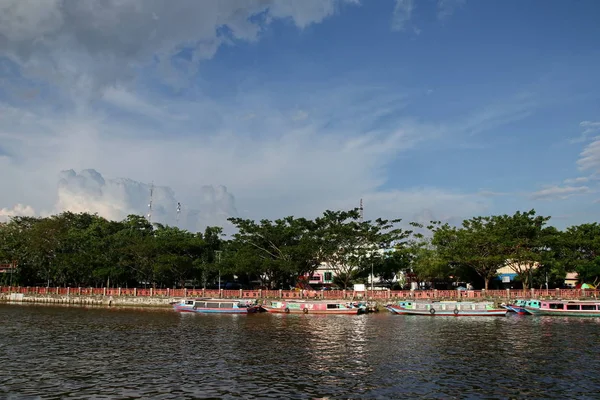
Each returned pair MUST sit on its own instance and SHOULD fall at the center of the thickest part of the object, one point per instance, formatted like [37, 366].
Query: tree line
[85, 249]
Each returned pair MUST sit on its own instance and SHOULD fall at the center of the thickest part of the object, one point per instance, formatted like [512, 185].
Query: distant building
[508, 273]
[571, 279]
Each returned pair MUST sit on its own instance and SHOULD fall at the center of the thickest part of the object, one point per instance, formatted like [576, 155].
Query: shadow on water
[75, 352]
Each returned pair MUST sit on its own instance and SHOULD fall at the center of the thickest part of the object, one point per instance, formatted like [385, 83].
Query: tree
[522, 237]
[348, 245]
[279, 250]
[582, 251]
[477, 245]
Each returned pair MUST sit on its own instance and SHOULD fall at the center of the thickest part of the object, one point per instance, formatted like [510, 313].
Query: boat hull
[313, 307]
[274, 310]
[447, 309]
[201, 310]
[564, 313]
[517, 309]
[500, 312]
[215, 306]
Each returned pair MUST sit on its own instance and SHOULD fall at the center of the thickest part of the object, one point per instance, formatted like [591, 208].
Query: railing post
[260, 293]
[57, 290]
[79, 291]
[508, 294]
[68, 290]
[134, 292]
[168, 292]
[280, 294]
[151, 291]
[184, 292]
[119, 292]
[221, 293]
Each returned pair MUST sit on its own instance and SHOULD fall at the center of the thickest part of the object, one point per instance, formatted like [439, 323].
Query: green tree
[582, 251]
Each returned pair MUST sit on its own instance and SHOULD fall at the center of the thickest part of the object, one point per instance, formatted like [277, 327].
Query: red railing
[310, 294]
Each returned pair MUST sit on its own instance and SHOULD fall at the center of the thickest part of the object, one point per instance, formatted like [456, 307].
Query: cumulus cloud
[16, 211]
[89, 191]
[286, 150]
[89, 43]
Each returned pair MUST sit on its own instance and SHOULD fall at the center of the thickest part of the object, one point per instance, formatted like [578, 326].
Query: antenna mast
[361, 211]
[150, 204]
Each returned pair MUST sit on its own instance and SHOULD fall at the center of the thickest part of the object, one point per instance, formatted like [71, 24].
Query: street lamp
[218, 256]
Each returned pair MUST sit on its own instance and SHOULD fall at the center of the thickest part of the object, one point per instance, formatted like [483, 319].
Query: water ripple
[95, 353]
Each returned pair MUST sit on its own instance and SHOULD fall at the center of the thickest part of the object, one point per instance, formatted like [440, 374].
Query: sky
[425, 110]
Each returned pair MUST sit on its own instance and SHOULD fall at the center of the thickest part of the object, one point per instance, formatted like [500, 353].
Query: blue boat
[216, 306]
[517, 307]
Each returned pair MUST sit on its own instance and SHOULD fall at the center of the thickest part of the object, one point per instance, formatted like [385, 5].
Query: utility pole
[178, 213]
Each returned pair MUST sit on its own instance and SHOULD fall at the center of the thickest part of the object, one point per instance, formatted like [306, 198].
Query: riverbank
[162, 298]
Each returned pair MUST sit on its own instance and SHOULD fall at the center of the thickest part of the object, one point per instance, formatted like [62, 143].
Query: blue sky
[431, 109]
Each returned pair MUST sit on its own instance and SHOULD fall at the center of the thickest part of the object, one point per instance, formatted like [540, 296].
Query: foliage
[87, 250]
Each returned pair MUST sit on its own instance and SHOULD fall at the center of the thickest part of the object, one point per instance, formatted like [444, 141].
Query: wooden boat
[398, 308]
[448, 308]
[313, 307]
[567, 308]
[221, 306]
[517, 307]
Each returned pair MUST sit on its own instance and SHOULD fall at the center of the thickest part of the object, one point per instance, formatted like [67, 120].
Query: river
[49, 352]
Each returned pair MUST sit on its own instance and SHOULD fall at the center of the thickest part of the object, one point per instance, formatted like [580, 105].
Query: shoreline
[164, 302]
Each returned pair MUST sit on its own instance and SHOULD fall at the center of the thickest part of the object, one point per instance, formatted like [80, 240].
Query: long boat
[567, 308]
[448, 308]
[518, 306]
[313, 307]
[220, 306]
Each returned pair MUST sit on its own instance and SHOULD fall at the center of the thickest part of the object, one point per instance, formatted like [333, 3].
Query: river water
[98, 353]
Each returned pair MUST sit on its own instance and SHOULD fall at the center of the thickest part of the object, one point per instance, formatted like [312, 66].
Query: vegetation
[87, 250]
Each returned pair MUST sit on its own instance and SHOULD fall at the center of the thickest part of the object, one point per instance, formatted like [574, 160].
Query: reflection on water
[71, 352]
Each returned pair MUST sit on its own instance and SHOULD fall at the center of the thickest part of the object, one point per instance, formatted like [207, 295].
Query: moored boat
[517, 307]
[566, 308]
[448, 308]
[221, 306]
[313, 307]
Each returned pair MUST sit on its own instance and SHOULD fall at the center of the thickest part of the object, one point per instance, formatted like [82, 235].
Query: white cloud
[89, 191]
[278, 166]
[580, 179]
[560, 192]
[326, 149]
[589, 159]
[16, 210]
[588, 128]
[425, 204]
[445, 8]
[86, 44]
[402, 14]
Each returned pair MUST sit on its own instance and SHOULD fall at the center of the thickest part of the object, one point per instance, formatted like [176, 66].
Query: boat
[220, 306]
[566, 308]
[517, 307]
[448, 308]
[313, 307]
[398, 308]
